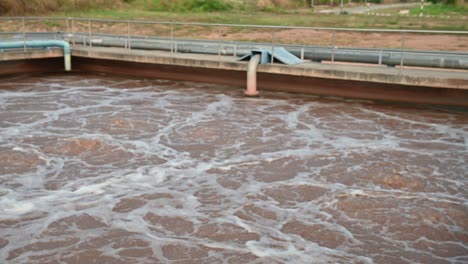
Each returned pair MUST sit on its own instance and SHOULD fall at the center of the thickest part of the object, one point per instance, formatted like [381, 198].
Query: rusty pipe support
[252, 76]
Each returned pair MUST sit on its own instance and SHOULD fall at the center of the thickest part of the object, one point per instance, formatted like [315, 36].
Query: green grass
[433, 10]
[188, 5]
[441, 10]
[51, 24]
[286, 19]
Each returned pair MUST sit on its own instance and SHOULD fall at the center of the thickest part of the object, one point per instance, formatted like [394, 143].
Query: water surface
[119, 170]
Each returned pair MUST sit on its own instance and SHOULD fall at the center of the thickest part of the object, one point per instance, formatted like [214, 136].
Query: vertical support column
[24, 35]
[68, 28]
[89, 32]
[403, 40]
[273, 46]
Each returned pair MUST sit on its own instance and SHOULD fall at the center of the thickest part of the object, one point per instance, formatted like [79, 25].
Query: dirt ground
[359, 39]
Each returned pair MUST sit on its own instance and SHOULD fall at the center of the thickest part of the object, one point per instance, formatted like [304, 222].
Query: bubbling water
[117, 170]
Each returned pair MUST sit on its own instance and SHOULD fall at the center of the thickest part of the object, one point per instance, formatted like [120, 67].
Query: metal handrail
[174, 41]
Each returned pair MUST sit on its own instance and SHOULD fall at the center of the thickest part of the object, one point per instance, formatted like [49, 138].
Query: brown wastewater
[101, 169]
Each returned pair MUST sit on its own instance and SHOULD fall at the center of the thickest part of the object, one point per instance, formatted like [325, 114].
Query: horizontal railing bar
[242, 25]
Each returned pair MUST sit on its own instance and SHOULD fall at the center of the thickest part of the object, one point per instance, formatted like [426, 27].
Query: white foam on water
[10, 207]
[99, 160]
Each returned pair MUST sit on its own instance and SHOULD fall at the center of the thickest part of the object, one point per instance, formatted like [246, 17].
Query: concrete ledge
[279, 82]
[30, 54]
[377, 74]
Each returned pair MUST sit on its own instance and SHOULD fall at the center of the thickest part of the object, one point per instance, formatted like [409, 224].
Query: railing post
[273, 46]
[66, 23]
[219, 42]
[89, 32]
[73, 31]
[403, 40]
[128, 36]
[333, 50]
[24, 35]
[172, 38]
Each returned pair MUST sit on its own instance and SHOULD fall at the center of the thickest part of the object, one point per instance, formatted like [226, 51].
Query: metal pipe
[252, 76]
[42, 44]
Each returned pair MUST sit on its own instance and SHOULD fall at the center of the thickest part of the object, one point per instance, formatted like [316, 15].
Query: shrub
[191, 5]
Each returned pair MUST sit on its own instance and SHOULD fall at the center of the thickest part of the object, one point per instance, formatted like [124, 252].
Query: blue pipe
[42, 44]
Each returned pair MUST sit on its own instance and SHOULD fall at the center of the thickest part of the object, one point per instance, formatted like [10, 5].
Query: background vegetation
[19, 7]
[268, 12]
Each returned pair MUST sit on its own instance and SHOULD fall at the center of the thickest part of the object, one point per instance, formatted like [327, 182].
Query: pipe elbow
[42, 44]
